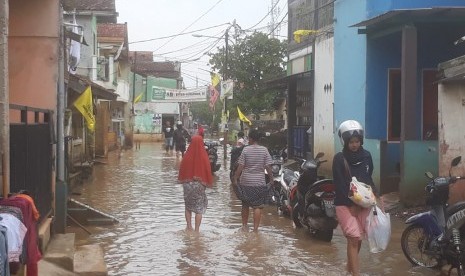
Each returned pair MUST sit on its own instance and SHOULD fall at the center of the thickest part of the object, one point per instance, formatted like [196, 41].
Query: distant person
[168, 133]
[195, 175]
[241, 135]
[249, 179]
[179, 136]
[137, 139]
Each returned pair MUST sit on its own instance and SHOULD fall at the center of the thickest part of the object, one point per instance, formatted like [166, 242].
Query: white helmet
[178, 123]
[349, 129]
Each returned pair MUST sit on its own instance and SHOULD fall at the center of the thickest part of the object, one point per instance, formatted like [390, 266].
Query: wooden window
[430, 105]
[394, 104]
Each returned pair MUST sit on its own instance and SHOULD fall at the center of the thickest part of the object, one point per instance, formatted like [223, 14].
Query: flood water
[139, 188]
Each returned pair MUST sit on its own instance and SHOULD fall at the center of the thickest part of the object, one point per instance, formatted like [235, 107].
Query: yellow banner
[242, 117]
[84, 105]
[138, 98]
[215, 79]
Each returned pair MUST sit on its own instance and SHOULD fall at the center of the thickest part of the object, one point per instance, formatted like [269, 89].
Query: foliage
[250, 62]
[204, 115]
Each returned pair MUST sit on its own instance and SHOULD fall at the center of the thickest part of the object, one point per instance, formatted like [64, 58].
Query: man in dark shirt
[168, 132]
[179, 136]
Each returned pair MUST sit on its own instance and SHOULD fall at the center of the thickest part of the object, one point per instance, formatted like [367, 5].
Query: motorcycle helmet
[179, 123]
[349, 129]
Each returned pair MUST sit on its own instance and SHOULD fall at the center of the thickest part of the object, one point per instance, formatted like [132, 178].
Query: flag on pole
[298, 34]
[242, 117]
[138, 98]
[215, 89]
[84, 105]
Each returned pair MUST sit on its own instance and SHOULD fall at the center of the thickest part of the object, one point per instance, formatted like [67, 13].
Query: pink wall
[33, 53]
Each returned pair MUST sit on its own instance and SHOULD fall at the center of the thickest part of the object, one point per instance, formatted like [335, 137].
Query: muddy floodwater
[139, 188]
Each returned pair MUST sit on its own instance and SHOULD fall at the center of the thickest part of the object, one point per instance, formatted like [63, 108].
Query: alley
[140, 189]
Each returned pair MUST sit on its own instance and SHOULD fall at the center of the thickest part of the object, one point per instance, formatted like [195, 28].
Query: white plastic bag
[378, 229]
[361, 193]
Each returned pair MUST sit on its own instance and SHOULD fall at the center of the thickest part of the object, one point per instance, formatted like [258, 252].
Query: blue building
[386, 55]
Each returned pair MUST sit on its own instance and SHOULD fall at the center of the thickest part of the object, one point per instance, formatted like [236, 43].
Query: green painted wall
[419, 157]
[161, 82]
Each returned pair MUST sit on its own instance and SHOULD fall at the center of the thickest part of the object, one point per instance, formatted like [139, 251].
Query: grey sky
[148, 19]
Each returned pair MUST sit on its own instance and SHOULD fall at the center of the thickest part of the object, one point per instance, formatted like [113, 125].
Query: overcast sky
[151, 19]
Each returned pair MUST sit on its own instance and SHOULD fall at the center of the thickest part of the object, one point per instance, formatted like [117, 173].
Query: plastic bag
[378, 230]
[361, 193]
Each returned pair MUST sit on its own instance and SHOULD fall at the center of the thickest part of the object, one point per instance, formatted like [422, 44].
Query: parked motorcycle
[313, 200]
[437, 237]
[212, 150]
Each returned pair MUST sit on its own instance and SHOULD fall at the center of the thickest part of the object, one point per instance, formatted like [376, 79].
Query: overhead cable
[182, 32]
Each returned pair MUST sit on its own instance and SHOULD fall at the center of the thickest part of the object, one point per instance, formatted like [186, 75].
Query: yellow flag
[138, 98]
[242, 117]
[215, 79]
[84, 105]
[300, 33]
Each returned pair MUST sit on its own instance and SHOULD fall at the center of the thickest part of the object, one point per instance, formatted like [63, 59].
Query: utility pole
[61, 187]
[225, 99]
[4, 99]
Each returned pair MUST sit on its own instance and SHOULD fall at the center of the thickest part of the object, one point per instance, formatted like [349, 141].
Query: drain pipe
[4, 99]
[61, 187]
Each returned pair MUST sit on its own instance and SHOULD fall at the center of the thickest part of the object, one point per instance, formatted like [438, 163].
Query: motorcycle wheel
[414, 242]
[326, 236]
[295, 217]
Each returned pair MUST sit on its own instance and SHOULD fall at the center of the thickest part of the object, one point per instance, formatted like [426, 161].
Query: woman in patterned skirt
[195, 175]
[252, 188]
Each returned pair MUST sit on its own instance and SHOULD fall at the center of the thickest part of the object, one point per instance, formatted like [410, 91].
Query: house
[386, 56]
[451, 116]
[150, 112]
[310, 80]
[85, 145]
[113, 73]
[29, 143]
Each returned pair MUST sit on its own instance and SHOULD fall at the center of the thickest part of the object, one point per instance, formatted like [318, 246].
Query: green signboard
[158, 93]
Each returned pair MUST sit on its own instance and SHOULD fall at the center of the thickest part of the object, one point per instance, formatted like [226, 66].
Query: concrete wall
[89, 24]
[451, 119]
[33, 54]
[324, 99]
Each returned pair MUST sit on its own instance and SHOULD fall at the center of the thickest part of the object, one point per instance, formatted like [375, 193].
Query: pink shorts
[352, 220]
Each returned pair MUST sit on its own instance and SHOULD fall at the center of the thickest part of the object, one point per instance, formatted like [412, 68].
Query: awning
[396, 18]
[79, 84]
[283, 80]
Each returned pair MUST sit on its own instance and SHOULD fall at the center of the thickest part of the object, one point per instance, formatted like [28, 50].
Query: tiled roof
[158, 69]
[90, 5]
[112, 30]
[142, 56]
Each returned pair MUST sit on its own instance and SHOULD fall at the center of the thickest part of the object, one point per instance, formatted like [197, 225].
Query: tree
[203, 114]
[251, 61]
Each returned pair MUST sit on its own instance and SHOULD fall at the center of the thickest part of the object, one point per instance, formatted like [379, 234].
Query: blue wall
[381, 6]
[349, 63]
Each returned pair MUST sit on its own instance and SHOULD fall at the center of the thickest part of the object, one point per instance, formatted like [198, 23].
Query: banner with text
[179, 95]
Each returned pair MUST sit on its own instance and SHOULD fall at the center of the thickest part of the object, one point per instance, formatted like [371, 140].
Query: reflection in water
[140, 189]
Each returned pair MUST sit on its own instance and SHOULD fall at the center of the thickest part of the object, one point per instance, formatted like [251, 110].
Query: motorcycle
[313, 200]
[437, 237]
[283, 179]
[211, 148]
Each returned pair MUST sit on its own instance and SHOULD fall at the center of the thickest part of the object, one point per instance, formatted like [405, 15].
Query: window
[394, 104]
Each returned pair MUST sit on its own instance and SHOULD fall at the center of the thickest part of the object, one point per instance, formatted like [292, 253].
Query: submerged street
[139, 188]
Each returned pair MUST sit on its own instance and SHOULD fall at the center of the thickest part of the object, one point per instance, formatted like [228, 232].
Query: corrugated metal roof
[399, 17]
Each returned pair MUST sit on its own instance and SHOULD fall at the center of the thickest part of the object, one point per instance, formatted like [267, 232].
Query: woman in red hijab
[195, 175]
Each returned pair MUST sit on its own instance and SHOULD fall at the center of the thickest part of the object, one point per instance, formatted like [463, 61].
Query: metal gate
[31, 158]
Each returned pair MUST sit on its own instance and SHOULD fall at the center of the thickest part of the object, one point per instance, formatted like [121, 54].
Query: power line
[280, 22]
[261, 20]
[193, 45]
[182, 32]
[170, 36]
